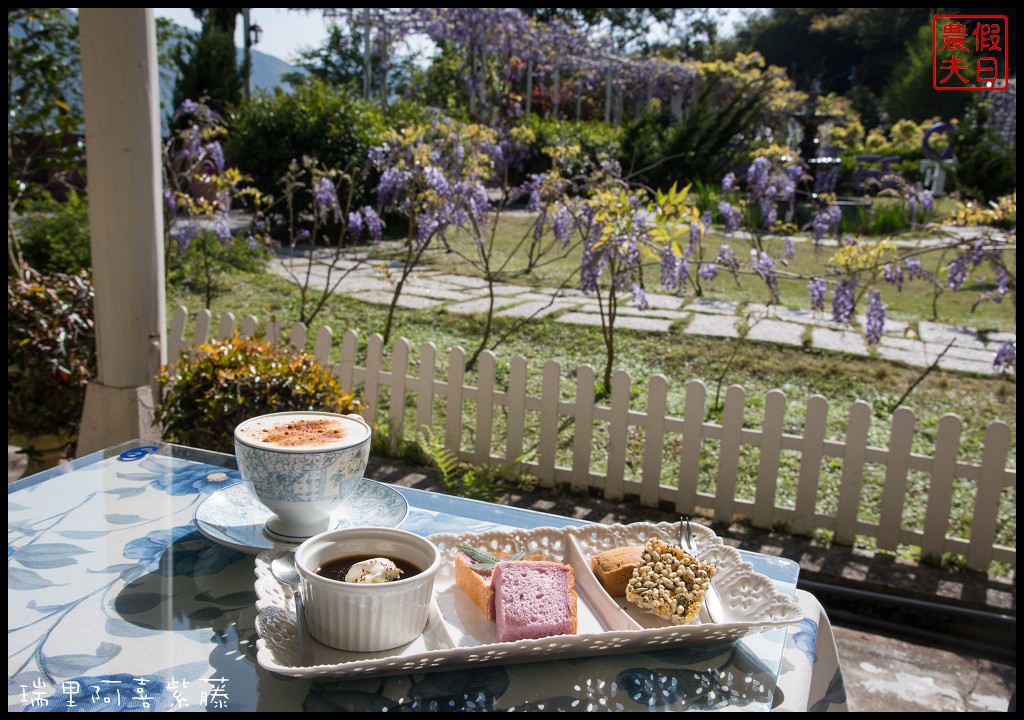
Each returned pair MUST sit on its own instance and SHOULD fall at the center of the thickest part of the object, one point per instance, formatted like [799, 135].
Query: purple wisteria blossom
[788, 250]
[216, 155]
[959, 269]
[696, 233]
[757, 175]
[915, 269]
[170, 203]
[927, 201]
[817, 289]
[730, 217]
[843, 298]
[675, 270]
[532, 188]
[728, 182]
[374, 225]
[355, 224]
[893, 274]
[561, 226]
[765, 267]
[1006, 357]
[706, 218]
[727, 259]
[221, 227]
[876, 316]
[325, 200]
[769, 212]
[640, 298]
[301, 235]
[708, 271]
[185, 234]
[826, 220]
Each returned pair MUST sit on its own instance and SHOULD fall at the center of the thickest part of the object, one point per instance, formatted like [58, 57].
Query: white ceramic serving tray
[457, 634]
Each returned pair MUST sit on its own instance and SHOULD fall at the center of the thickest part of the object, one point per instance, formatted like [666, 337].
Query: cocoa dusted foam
[303, 431]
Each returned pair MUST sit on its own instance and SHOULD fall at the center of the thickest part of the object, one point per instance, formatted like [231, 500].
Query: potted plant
[51, 356]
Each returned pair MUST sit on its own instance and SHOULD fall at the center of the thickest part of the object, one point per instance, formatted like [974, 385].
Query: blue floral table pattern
[118, 603]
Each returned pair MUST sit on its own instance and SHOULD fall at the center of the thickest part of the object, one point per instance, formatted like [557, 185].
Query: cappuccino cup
[301, 466]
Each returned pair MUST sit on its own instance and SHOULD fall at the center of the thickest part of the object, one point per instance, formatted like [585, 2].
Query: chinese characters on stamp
[970, 52]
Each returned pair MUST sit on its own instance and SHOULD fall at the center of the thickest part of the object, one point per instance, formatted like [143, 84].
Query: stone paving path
[430, 288]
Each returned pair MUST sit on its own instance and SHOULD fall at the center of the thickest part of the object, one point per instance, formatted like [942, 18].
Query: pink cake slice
[533, 600]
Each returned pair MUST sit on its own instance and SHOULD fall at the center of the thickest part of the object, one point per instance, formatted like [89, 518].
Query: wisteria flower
[817, 288]
[728, 182]
[876, 317]
[730, 217]
[843, 299]
[1006, 357]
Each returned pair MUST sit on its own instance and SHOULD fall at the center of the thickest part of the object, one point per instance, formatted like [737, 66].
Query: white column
[120, 91]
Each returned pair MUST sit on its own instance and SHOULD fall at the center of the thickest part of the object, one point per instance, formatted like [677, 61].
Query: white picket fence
[470, 416]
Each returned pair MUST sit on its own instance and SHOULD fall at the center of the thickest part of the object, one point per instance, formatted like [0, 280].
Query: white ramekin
[367, 617]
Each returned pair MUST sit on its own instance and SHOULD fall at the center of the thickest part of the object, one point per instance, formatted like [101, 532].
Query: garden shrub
[986, 164]
[207, 258]
[317, 120]
[221, 383]
[54, 236]
[51, 351]
[589, 141]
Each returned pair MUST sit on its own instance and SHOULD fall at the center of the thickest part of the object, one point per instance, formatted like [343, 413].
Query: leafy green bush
[585, 141]
[51, 352]
[54, 236]
[221, 383]
[986, 165]
[207, 258]
[271, 130]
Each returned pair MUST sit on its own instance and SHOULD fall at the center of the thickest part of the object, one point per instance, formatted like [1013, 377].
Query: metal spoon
[283, 568]
[711, 596]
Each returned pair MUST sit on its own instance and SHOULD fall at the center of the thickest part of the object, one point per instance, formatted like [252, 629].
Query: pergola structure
[121, 95]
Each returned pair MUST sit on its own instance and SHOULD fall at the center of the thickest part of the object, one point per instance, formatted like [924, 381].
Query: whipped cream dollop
[374, 570]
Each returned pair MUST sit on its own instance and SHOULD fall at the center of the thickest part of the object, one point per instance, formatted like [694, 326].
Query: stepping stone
[917, 358]
[440, 293]
[844, 341]
[536, 308]
[943, 334]
[995, 339]
[645, 324]
[500, 289]
[713, 325]
[480, 305]
[970, 354]
[892, 328]
[412, 302]
[717, 307]
[664, 302]
[964, 365]
[777, 331]
[462, 280]
[797, 315]
[653, 312]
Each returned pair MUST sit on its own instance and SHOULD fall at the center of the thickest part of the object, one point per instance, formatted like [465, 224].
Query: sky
[284, 31]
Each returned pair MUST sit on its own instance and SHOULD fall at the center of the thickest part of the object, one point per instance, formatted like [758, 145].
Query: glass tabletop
[117, 601]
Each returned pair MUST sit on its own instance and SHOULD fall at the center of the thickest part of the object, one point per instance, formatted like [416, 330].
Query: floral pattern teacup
[302, 465]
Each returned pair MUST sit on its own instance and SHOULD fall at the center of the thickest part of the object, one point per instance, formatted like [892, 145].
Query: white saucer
[234, 517]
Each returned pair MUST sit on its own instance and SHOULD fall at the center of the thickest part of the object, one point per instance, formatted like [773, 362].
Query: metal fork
[711, 596]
